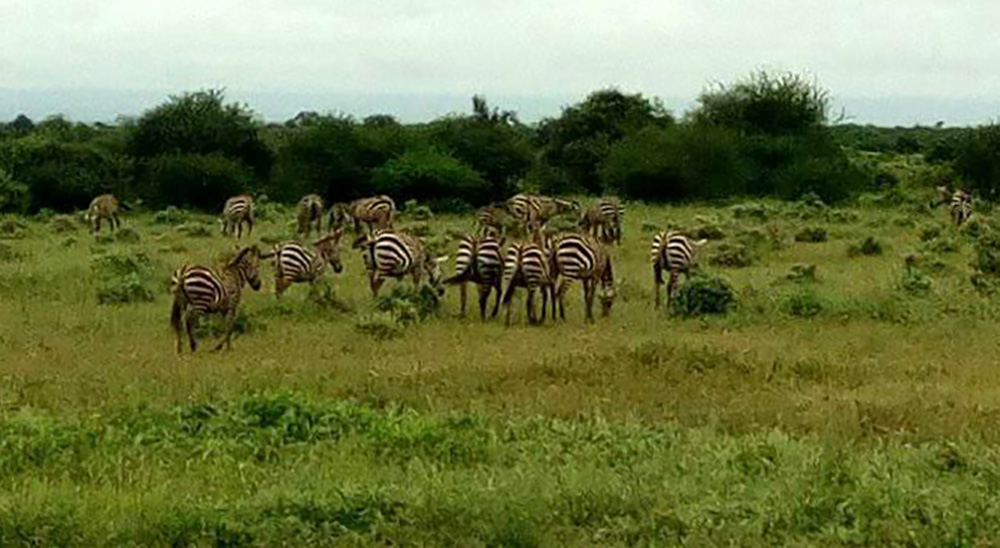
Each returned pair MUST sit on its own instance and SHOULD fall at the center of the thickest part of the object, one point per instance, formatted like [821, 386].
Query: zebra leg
[280, 285]
[530, 307]
[191, 321]
[462, 298]
[176, 315]
[544, 290]
[117, 221]
[589, 288]
[484, 299]
[376, 282]
[95, 225]
[657, 282]
[496, 305]
[230, 324]
[674, 275]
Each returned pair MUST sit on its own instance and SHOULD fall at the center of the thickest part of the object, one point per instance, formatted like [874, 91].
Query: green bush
[195, 230]
[201, 181]
[802, 273]
[703, 295]
[733, 256]
[869, 247]
[14, 196]
[408, 304]
[12, 228]
[127, 235]
[803, 304]
[812, 235]
[914, 281]
[425, 175]
[380, 326]
[8, 254]
[977, 160]
[170, 216]
[759, 212]
[63, 223]
[124, 277]
[987, 254]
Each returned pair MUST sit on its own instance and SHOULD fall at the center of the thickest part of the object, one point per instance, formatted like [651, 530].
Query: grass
[838, 409]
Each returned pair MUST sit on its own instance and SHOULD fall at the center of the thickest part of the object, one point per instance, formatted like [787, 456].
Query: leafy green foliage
[425, 175]
[13, 195]
[126, 277]
[978, 160]
[868, 247]
[195, 180]
[812, 235]
[702, 295]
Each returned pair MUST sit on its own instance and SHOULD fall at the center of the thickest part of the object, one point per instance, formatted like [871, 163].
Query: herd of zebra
[511, 248]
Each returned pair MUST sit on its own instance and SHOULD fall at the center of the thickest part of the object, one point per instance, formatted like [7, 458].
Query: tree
[977, 160]
[22, 125]
[578, 140]
[432, 176]
[322, 155]
[765, 104]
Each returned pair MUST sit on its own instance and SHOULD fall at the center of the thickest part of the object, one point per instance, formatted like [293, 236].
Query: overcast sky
[884, 61]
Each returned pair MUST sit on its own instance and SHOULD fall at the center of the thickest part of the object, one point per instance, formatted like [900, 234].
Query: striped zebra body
[236, 211]
[310, 214]
[374, 212]
[603, 220]
[674, 253]
[491, 220]
[960, 207]
[582, 257]
[532, 212]
[105, 206]
[479, 260]
[392, 254]
[199, 290]
[527, 265]
[294, 263]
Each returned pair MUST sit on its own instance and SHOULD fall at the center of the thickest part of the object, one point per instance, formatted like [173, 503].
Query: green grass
[839, 410]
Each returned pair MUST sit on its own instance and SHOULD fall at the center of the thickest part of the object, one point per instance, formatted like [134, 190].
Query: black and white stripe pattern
[105, 206]
[581, 257]
[393, 254]
[376, 212]
[532, 212]
[479, 260]
[960, 207]
[310, 214]
[527, 265]
[491, 220]
[294, 263]
[199, 290]
[236, 211]
[603, 219]
[675, 253]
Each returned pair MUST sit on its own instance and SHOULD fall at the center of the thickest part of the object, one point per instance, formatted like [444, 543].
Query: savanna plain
[850, 395]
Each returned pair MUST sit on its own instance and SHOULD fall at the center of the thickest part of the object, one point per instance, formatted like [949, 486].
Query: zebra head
[329, 249]
[339, 214]
[248, 264]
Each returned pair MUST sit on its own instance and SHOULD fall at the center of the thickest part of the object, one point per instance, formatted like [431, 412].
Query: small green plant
[812, 235]
[321, 293]
[195, 230]
[758, 212]
[703, 295]
[127, 235]
[63, 223]
[12, 228]
[869, 247]
[914, 281]
[8, 254]
[649, 228]
[124, 278]
[931, 232]
[409, 305]
[170, 216]
[733, 256]
[802, 273]
[380, 325]
[803, 304]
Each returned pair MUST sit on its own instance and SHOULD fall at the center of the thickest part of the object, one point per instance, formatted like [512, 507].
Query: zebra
[603, 219]
[105, 206]
[532, 212]
[199, 290]
[375, 212]
[391, 254]
[492, 220]
[238, 210]
[960, 205]
[310, 214]
[582, 257]
[674, 252]
[294, 263]
[527, 265]
[479, 260]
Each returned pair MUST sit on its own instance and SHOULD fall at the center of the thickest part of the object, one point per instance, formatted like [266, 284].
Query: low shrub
[379, 326]
[931, 232]
[408, 304]
[914, 281]
[803, 304]
[214, 325]
[322, 294]
[758, 212]
[131, 288]
[987, 257]
[708, 232]
[733, 256]
[869, 247]
[842, 216]
[125, 277]
[802, 273]
[703, 295]
[170, 216]
[63, 223]
[649, 227]
[195, 230]
[8, 254]
[12, 228]
[127, 235]
[812, 235]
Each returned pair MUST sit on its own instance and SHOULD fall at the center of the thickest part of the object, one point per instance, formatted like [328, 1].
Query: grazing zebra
[375, 212]
[532, 212]
[960, 205]
[527, 265]
[294, 263]
[603, 219]
[199, 290]
[492, 220]
[105, 206]
[238, 210]
[391, 254]
[479, 260]
[583, 257]
[673, 252]
[310, 214]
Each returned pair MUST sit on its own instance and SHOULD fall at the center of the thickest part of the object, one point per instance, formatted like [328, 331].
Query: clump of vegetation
[987, 257]
[704, 295]
[869, 247]
[408, 304]
[170, 216]
[649, 227]
[12, 228]
[417, 212]
[421, 230]
[976, 227]
[843, 216]
[125, 277]
[380, 326]
[803, 304]
[214, 326]
[63, 223]
[733, 255]
[68, 241]
[127, 235]
[8, 254]
[322, 294]
[802, 273]
[812, 235]
[931, 232]
[708, 232]
[195, 230]
[755, 211]
[914, 280]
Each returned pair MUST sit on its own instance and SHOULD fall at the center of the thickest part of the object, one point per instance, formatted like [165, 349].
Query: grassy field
[859, 408]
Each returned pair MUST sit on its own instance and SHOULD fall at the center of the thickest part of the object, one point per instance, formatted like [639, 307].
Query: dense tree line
[766, 135]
